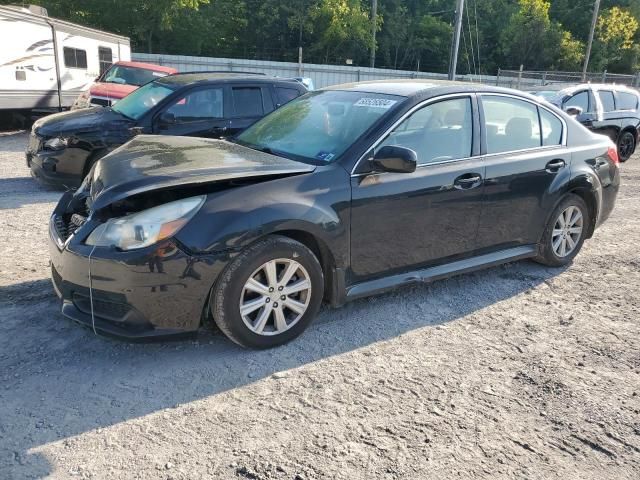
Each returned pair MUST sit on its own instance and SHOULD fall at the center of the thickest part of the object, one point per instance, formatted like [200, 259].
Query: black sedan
[342, 193]
[63, 147]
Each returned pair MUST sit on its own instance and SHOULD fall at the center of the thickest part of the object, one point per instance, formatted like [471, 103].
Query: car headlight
[56, 143]
[145, 228]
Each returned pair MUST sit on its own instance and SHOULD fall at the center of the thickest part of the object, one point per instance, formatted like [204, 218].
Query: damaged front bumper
[159, 291]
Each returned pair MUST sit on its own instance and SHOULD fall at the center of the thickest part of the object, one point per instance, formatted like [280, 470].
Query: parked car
[118, 81]
[612, 110]
[546, 92]
[63, 147]
[344, 192]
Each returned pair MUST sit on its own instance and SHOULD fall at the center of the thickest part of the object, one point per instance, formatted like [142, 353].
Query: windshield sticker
[326, 156]
[375, 103]
[158, 74]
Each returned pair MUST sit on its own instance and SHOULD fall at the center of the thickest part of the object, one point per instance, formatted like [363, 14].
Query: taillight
[613, 155]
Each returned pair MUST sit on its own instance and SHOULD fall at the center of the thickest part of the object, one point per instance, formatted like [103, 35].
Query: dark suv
[64, 146]
[613, 110]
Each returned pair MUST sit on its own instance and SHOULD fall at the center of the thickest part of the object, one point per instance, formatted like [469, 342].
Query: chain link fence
[523, 79]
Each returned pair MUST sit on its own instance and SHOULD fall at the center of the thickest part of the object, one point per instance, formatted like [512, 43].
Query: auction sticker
[375, 103]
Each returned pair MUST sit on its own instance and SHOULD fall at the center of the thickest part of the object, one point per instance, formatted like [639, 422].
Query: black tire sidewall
[226, 294]
[548, 256]
[624, 159]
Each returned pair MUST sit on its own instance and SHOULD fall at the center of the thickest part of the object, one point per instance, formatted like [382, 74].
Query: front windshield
[138, 102]
[130, 75]
[319, 126]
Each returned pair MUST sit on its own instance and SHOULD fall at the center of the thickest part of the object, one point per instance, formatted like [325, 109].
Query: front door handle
[467, 181]
[554, 165]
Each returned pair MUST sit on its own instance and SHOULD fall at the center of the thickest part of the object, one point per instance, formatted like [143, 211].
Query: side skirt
[373, 287]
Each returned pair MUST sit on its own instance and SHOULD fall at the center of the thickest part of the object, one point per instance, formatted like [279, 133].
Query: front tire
[269, 294]
[565, 232]
[626, 146]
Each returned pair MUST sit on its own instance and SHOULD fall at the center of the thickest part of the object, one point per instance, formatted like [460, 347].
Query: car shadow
[18, 191]
[60, 380]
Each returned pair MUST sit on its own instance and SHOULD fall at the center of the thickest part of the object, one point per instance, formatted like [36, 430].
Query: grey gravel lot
[519, 371]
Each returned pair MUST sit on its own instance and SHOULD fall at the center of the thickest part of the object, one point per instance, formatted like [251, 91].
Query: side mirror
[573, 111]
[395, 159]
[166, 119]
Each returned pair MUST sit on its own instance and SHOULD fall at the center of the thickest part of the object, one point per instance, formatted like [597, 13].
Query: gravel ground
[519, 371]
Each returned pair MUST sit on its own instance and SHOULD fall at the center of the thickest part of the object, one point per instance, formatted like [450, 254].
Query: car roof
[148, 66]
[182, 79]
[599, 86]
[423, 88]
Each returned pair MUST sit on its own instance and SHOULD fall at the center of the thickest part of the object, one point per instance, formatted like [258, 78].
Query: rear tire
[626, 145]
[269, 294]
[565, 232]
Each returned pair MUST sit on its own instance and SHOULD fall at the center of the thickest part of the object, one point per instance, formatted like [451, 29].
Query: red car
[118, 81]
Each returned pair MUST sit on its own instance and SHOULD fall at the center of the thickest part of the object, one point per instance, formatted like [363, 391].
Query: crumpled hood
[80, 121]
[154, 162]
[115, 91]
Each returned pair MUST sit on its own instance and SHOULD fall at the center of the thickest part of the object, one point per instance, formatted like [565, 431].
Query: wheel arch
[333, 276]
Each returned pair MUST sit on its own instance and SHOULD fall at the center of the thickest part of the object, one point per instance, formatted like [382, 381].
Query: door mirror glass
[573, 111]
[167, 118]
[395, 159]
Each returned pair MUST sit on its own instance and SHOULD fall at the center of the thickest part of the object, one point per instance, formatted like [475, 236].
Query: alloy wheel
[626, 145]
[567, 231]
[275, 297]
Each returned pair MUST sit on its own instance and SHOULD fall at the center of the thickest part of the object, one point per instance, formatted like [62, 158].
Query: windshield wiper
[272, 151]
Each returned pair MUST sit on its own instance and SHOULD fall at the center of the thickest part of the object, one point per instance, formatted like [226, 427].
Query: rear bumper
[608, 198]
[157, 292]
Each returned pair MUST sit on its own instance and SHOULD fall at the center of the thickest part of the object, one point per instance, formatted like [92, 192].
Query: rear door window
[247, 101]
[510, 124]
[608, 103]
[627, 101]
[551, 128]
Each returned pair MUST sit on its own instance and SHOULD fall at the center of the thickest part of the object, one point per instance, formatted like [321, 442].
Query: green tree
[340, 28]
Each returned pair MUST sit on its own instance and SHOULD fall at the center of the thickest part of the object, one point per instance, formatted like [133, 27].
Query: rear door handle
[554, 165]
[467, 181]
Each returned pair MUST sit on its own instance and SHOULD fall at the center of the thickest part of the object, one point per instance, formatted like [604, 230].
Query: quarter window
[247, 101]
[510, 124]
[438, 132]
[627, 101]
[580, 100]
[551, 128]
[75, 58]
[608, 103]
[199, 105]
[105, 57]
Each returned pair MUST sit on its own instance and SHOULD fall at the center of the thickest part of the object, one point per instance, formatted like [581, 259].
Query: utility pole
[453, 57]
[374, 14]
[594, 21]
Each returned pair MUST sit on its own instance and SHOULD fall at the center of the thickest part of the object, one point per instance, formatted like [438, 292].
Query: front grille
[113, 311]
[66, 228]
[102, 102]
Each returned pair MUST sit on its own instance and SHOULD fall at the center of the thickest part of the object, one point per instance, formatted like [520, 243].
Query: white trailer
[46, 63]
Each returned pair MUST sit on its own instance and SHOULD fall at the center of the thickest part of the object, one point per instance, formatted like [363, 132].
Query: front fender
[316, 203]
